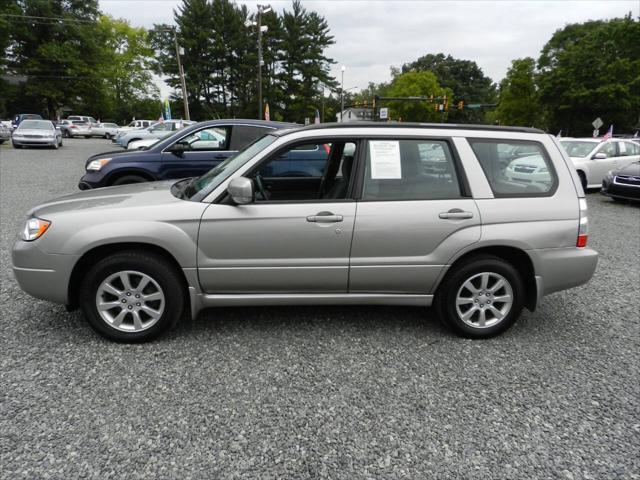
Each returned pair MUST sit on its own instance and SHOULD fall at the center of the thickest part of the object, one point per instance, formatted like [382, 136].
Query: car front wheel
[481, 298]
[132, 296]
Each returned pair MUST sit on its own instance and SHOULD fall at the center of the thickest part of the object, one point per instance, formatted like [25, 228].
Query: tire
[107, 136]
[583, 180]
[16, 146]
[128, 179]
[55, 145]
[104, 284]
[483, 302]
[87, 136]
[65, 134]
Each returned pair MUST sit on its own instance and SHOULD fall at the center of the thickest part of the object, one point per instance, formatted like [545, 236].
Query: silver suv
[367, 213]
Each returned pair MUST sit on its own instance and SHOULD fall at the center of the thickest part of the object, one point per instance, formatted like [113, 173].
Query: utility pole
[185, 99]
[261, 29]
[342, 95]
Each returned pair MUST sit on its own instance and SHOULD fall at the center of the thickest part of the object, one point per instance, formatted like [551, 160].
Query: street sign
[384, 113]
[596, 132]
[597, 123]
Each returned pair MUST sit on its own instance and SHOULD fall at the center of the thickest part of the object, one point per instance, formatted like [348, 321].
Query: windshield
[36, 125]
[200, 187]
[577, 148]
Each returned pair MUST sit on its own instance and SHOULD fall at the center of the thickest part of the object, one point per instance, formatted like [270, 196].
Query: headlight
[96, 165]
[34, 228]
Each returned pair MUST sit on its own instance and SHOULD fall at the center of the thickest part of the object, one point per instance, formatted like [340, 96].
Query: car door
[413, 215]
[298, 243]
[204, 149]
[598, 167]
[628, 152]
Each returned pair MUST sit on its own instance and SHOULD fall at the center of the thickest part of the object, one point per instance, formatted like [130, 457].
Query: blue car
[190, 152]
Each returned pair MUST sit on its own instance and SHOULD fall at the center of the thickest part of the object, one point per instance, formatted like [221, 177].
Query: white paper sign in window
[385, 159]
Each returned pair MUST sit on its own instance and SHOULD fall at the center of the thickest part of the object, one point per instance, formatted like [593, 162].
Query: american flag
[608, 135]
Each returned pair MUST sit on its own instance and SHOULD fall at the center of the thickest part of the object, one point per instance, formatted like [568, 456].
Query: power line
[48, 19]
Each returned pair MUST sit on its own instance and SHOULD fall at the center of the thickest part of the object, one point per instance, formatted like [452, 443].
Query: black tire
[87, 136]
[583, 180]
[446, 296]
[107, 136]
[128, 179]
[65, 134]
[156, 267]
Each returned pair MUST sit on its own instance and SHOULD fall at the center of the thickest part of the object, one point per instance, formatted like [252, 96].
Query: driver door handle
[455, 214]
[324, 217]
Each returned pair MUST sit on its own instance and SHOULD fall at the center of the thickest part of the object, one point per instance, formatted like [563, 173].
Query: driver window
[609, 148]
[212, 138]
[311, 171]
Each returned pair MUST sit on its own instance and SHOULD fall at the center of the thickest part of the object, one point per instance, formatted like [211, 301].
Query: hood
[34, 131]
[123, 196]
[118, 156]
[633, 169]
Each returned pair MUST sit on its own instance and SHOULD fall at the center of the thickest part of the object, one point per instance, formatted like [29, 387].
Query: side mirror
[179, 148]
[599, 156]
[241, 190]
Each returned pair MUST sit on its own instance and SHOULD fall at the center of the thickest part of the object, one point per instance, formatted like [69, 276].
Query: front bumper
[91, 180]
[616, 190]
[34, 142]
[42, 275]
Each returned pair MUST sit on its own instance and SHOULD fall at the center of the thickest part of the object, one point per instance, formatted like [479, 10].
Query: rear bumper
[559, 269]
[42, 275]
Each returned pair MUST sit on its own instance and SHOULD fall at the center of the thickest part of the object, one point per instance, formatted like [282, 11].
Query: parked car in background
[187, 153]
[593, 158]
[104, 130]
[5, 133]
[90, 120]
[135, 125]
[623, 184]
[75, 128]
[371, 227]
[24, 116]
[144, 144]
[36, 133]
[159, 130]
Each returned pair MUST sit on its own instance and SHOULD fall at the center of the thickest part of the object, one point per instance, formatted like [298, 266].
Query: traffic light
[461, 105]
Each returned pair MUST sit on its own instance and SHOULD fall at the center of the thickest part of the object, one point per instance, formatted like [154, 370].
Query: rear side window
[243, 135]
[516, 168]
[409, 170]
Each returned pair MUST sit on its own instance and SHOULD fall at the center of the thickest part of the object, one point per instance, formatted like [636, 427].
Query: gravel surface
[336, 392]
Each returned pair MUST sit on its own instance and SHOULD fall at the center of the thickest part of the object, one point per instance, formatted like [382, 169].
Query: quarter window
[515, 168]
[409, 170]
[212, 138]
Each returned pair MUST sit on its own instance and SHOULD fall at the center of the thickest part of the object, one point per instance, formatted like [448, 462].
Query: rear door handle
[455, 214]
[324, 217]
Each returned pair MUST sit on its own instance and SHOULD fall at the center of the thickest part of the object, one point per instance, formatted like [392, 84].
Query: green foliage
[592, 70]
[519, 98]
[411, 84]
[464, 77]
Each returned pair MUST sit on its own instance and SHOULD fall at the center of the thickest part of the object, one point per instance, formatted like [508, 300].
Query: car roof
[426, 126]
[212, 123]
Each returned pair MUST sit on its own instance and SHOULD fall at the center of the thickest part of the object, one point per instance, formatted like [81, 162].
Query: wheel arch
[91, 257]
[119, 173]
[513, 255]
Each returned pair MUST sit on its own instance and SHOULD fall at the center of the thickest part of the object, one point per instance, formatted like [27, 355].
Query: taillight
[583, 225]
[72, 126]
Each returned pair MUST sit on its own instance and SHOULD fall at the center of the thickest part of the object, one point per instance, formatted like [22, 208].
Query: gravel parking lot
[314, 392]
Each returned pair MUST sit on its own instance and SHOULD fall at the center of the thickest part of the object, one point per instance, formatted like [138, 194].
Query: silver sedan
[36, 133]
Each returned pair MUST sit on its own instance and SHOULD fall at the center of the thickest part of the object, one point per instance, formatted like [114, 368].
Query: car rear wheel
[481, 298]
[132, 296]
[127, 179]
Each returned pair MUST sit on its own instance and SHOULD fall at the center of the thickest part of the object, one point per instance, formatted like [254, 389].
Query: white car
[136, 125]
[105, 130]
[593, 158]
[142, 144]
[529, 170]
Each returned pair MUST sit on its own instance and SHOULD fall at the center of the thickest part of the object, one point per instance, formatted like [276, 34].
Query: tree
[592, 70]
[126, 71]
[305, 36]
[519, 98]
[60, 58]
[411, 84]
[464, 77]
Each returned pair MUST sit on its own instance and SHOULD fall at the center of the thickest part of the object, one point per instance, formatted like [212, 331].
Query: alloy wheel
[484, 300]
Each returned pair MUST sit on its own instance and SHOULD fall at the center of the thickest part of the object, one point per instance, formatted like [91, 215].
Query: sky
[373, 35]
